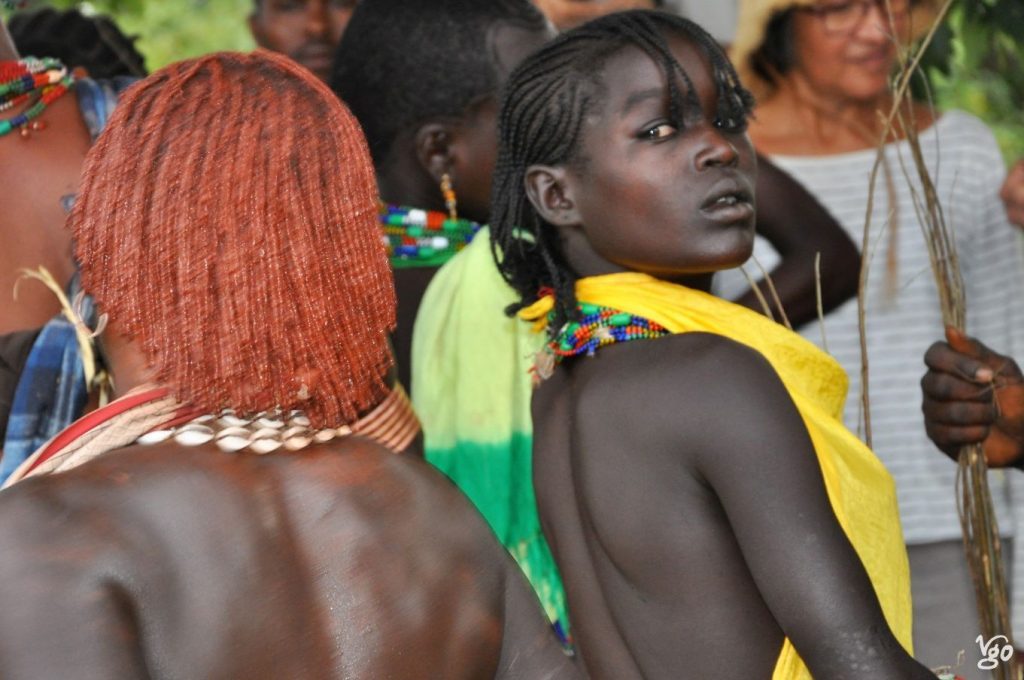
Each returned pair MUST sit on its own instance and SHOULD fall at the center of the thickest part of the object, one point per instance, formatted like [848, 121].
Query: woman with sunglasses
[822, 72]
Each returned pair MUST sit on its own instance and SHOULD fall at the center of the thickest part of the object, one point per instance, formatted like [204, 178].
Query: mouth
[316, 58]
[729, 201]
[872, 59]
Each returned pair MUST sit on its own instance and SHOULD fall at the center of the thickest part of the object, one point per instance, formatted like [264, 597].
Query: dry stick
[757, 293]
[982, 544]
[817, 295]
[775, 293]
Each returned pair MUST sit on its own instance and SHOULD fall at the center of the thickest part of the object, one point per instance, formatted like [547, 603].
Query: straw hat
[755, 15]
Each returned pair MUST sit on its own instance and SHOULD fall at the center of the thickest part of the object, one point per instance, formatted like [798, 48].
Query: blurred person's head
[227, 208]
[94, 43]
[423, 79]
[308, 31]
[566, 14]
[841, 50]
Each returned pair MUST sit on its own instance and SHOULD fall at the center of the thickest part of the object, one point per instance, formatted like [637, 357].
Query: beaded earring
[449, 196]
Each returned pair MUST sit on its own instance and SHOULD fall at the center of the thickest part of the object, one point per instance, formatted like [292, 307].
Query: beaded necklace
[41, 81]
[423, 238]
[598, 327]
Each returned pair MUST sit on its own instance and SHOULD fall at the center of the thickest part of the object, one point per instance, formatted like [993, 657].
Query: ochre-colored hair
[227, 222]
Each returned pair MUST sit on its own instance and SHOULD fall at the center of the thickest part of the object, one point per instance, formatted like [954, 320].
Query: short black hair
[94, 43]
[405, 62]
[775, 57]
[545, 103]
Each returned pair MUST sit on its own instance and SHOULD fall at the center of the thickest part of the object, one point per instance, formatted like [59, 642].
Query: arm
[529, 649]
[973, 395]
[799, 228]
[1013, 194]
[774, 496]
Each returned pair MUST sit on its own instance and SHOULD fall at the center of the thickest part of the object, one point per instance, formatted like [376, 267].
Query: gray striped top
[903, 316]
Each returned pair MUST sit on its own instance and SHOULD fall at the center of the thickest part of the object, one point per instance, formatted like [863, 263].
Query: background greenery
[976, 62]
[170, 30]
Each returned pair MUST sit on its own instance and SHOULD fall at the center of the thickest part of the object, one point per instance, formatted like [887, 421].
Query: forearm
[795, 281]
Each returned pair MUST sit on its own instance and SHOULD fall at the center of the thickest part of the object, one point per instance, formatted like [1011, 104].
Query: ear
[434, 147]
[551, 194]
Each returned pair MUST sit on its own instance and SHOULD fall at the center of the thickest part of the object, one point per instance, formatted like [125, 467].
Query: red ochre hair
[228, 222]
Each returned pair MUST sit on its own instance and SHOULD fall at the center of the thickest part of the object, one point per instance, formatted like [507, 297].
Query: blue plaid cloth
[51, 392]
[97, 99]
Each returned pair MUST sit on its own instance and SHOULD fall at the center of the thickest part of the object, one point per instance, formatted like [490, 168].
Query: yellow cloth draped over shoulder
[860, 489]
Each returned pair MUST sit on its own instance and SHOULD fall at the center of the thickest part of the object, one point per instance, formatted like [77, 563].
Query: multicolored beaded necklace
[597, 327]
[423, 238]
[40, 81]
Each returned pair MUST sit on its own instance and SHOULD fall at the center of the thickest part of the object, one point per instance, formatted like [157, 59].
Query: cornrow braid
[545, 103]
[227, 221]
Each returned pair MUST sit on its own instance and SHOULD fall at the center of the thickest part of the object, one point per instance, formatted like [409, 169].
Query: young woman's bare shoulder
[676, 386]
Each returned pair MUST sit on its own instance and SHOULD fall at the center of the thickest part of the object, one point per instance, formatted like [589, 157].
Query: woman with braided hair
[239, 510]
[710, 515]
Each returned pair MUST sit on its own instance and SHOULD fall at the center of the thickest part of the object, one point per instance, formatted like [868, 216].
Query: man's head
[308, 31]
[622, 148]
[423, 78]
[95, 43]
[227, 224]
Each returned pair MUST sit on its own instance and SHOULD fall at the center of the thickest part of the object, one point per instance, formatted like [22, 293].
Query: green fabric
[472, 390]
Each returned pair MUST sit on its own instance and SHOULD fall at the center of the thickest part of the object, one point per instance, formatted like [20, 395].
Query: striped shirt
[903, 316]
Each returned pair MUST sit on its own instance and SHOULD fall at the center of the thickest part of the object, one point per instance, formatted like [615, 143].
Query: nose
[717, 151]
[316, 18]
[875, 26]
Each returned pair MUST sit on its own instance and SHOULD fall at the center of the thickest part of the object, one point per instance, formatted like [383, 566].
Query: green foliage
[977, 64]
[170, 30]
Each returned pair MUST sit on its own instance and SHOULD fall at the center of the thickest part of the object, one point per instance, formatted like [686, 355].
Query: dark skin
[974, 395]
[465, 149]
[39, 171]
[343, 560]
[688, 549]
[308, 31]
[340, 561]
[797, 226]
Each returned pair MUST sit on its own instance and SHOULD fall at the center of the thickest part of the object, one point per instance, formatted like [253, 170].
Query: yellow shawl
[860, 489]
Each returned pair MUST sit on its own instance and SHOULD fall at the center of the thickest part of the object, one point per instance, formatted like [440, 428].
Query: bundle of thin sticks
[980, 531]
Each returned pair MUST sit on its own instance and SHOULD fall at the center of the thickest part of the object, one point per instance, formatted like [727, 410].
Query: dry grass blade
[978, 522]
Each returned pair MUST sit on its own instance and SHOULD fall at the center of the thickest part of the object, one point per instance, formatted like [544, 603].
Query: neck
[830, 120]
[586, 262]
[406, 184]
[124, 362]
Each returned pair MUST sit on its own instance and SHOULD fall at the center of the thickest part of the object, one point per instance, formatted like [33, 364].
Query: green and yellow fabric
[470, 367]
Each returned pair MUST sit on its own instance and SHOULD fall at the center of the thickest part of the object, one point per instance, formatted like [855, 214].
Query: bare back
[685, 507]
[342, 561]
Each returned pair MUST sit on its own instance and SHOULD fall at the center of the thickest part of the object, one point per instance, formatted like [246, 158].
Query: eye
[660, 131]
[731, 124]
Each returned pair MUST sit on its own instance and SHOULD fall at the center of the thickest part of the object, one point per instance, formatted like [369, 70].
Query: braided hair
[95, 43]
[546, 101]
[402, 63]
[228, 221]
